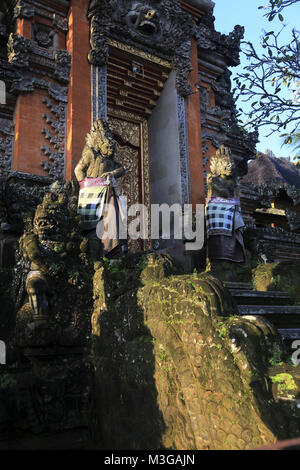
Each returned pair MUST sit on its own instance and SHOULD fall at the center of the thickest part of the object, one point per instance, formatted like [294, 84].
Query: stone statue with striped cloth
[224, 222]
[99, 197]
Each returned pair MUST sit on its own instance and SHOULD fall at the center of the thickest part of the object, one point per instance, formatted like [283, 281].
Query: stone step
[238, 285]
[282, 316]
[251, 297]
[289, 333]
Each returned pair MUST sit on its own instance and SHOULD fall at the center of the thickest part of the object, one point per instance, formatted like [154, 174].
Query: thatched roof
[266, 167]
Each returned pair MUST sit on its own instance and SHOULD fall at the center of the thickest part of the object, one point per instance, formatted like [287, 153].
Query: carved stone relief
[227, 45]
[18, 48]
[160, 28]
[62, 65]
[6, 146]
[60, 23]
[56, 120]
[39, 52]
[23, 10]
[183, 149]
[43, 35]
[99, 92]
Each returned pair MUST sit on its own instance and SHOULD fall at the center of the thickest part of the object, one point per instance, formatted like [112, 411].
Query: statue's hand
[108, 176]
[30, 249]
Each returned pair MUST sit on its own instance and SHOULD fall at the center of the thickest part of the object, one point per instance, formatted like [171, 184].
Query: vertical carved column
[99, 92]
[183, 150]
[6, 146]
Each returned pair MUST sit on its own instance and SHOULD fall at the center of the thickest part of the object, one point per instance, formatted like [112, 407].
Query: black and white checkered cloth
[219, 219]
[222, 216]
[91, 204]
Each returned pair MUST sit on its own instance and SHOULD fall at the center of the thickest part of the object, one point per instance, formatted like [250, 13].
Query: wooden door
[131, 139]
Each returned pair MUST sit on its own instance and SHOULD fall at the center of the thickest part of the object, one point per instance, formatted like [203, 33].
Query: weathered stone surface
[174, 367]
[280, 276]
[44, 386]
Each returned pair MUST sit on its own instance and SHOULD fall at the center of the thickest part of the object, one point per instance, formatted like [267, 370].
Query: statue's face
[223, 186]
[144, 19]
[50, 221]
[107, 148]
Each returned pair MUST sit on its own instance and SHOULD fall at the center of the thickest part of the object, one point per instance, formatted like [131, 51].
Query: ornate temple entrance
[127, 91]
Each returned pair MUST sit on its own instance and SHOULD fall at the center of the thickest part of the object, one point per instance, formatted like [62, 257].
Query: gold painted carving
[129, 131]
[134, 130]
[138, 53]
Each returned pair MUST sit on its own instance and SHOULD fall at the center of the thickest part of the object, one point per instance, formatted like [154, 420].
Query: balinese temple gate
[157, 70]
[137, 351]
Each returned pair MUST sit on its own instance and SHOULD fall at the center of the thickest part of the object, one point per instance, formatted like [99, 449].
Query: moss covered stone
[175, 367]
[282, 276]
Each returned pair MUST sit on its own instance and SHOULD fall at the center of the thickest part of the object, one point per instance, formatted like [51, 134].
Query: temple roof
[266, 167]
[205, 5]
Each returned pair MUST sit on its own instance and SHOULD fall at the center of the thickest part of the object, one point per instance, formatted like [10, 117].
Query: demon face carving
[144, 19]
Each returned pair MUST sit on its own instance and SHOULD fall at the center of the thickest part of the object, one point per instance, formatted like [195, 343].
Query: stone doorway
[136, 92]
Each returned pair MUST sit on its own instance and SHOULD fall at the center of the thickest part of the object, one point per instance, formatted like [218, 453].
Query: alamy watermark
[2, 353]
[2, 92]
[178, 222]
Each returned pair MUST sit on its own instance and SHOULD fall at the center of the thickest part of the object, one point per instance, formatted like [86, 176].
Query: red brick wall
[195, 134]
[79, 106]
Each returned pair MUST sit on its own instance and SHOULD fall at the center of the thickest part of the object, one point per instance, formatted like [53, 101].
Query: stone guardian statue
[224, 223]
[99, 196]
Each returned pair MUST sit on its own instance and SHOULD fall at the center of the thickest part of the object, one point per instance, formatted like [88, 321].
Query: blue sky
[227, 14]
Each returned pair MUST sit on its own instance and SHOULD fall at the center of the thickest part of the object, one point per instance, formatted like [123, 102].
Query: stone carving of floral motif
[62, 65]
[43, 35]
[128, 130]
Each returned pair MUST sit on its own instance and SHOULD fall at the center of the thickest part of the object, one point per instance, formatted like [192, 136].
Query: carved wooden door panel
[129, 153]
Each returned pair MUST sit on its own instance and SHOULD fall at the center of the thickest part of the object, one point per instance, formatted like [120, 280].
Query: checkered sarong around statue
[220, 216]
[92, 197]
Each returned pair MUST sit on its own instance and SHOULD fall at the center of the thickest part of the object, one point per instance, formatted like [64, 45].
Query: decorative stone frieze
[62, 65]
[23, 10]
[18, 49]
[56, 120]
[161, 28]
[6, 146]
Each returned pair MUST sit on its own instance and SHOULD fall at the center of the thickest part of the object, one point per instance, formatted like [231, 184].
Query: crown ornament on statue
[222, 163]
[99, 133]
